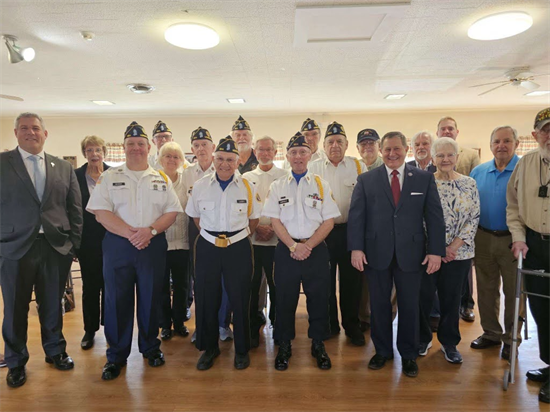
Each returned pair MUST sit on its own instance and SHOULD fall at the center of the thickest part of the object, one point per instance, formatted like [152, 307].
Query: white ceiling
[426, 55]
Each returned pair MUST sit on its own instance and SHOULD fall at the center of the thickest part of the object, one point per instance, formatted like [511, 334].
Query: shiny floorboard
[476, 385]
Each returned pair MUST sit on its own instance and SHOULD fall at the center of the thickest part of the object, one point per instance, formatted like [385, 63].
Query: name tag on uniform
[116, 184]
[284, 202]
[314, 203]
[241, 200]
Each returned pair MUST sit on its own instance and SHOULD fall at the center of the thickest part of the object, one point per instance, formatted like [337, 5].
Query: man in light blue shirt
[493, 259]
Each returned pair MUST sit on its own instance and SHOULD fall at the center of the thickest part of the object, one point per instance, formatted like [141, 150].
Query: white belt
[222, 240]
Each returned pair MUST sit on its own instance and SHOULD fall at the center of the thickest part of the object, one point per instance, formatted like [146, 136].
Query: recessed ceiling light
[191, 36]
[102, 102]
[500, 25]
[538, 93]
[140, 88]
[394, 96]
[236, 101]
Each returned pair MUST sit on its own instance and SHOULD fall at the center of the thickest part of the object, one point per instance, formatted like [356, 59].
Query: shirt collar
[236, 178]
[308, 177]
[509, 167]
[198, 168]
[25, 155]
[400, 169]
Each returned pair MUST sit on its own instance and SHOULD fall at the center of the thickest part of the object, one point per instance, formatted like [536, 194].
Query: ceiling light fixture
[16, 53]
[500, 25]
[394, 96]
[102, 102]
[140, 88]
[191, 36]
[236, 101]
[538, 93]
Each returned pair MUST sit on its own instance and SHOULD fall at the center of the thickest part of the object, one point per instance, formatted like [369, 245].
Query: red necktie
[395, 189]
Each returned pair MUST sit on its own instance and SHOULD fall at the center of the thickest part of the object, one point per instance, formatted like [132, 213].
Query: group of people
[395, 234]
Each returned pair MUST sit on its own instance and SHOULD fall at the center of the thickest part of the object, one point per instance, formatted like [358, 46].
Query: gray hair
[422, 133]
[249, 133]
[391, 135]
[172, 147]
[497, 129]
[28, 115]
[263, 139]
[444, 141]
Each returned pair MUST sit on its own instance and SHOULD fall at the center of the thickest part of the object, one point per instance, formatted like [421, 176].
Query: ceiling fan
[8, 97]
[518, 76]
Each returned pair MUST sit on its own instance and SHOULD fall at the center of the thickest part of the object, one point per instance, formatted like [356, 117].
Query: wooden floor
[476, 385]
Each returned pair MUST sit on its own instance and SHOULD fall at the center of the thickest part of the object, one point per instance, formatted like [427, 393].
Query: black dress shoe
[182, 331]
[166, 333]
[538, 375]
[364, 326]
[242, 361]
[111, 370]
[544, 393]
[483, 343]
[283, 356]
[378, 361]
[155, 358]
[255, 342]
[16, 377]
[206, 361]
[505, 353]
[87, 341]
[356, 337]
[62, 361]
[410, 368]
[188, 314]
[467, 314]
[318, 352]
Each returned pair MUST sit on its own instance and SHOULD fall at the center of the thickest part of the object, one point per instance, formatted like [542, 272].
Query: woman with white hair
[174, 311]
[460, 202]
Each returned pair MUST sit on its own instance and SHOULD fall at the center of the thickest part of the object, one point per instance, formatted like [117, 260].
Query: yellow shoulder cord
[163, 176]
[320, 187]
[358, 165]
[249, 190]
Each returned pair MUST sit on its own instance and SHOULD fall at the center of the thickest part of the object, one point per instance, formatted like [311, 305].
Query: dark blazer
[93, 231]
[380, 229]
[22, 213]
[431, 168]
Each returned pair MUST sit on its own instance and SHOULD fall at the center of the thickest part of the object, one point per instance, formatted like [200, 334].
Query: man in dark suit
[387, 238]
[421, 146]
[41, 223]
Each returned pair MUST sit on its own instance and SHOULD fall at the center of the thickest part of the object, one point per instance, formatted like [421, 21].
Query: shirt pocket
[158, 193]
[313, 210]
[350, 184]
[207, 207]
[239, 209]
[286, 207]
[119, 194]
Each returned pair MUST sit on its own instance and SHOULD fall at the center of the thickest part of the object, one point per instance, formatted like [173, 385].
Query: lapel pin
[53, 164]
[410, 174]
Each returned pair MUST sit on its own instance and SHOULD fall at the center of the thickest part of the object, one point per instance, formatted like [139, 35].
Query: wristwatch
[153, 231]
[293, 247]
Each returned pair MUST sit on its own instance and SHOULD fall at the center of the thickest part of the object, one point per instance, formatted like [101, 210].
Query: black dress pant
[263, 263]
[173, 310]
[314, 276]
[193, 233]
[45, 269]
[407, 286]
[350, 281]
[93, 297]
[447, 281]
[236, 264]
[467, 300]
[538, 258]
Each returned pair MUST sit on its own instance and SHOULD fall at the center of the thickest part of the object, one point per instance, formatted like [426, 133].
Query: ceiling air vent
[140, 88]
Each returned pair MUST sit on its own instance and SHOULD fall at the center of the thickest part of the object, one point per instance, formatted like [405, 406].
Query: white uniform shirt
[154, 162]
[222, 210]
[192, 174]
[342, 180]
[138, 202]
[299, 207]
[318, 155]
[262, 180]
[177, 234]
[401, 170]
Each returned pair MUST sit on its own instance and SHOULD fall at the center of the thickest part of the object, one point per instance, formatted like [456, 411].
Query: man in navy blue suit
[387, 238]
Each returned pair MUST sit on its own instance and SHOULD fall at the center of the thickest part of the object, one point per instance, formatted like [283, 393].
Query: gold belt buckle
[222, 241]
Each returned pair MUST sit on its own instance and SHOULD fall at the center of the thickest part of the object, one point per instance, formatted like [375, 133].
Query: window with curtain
[115, 154]
[526, 144]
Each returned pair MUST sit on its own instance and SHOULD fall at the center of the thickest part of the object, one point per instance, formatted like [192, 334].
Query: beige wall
[65, 133]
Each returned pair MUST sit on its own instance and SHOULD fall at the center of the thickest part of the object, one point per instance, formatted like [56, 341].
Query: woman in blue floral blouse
[460, 202]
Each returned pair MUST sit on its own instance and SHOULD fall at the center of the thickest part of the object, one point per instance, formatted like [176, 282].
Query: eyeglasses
[369, 143]
[442, 156]
[170, 157]
[93, 150]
